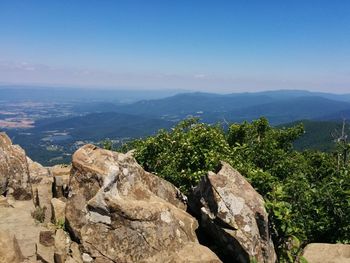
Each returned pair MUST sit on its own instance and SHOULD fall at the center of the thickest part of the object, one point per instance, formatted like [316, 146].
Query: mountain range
[278, 106]
[92, 120]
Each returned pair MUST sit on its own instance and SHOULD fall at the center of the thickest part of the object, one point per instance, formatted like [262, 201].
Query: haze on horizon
[216, 46]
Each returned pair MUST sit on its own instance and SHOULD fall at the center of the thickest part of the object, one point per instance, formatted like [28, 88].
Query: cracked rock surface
[117, 212]
[232, 213]
[14, 173]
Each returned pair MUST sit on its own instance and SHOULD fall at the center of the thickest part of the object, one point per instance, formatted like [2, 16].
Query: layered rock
[14, 173]
[61, 174]
[232, 213]
[120, 213]
[9, 248]
[41, 183]
[115, 211]
[16, 220]
[62, 246]
[327, 253]
[45, 247]
[58, 208]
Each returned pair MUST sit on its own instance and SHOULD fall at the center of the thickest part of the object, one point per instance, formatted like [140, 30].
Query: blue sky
[223, 46]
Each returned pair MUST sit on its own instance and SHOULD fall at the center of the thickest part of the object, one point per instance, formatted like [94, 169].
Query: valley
[50, 129]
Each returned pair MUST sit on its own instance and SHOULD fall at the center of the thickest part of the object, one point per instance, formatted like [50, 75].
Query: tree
[343, 147]
[307, 195]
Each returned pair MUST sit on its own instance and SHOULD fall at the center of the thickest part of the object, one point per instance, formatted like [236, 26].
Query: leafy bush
[307, 193]
[184, 154]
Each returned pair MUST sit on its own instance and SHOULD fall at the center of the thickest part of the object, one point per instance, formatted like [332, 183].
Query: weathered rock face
[61, 174]
[58, 208]
[41, 182]
[120, 213]
[233, 214]
[14, 174]
[16, 220]
[114, 211]
[9, 248]
[45, 246]
[327, 253]
[62, 245]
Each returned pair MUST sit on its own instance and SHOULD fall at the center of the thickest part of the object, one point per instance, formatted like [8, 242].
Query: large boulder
[14, 174]
[117, 212]
[16, 220]
[327, 253]
[232, 213]
[9, 248]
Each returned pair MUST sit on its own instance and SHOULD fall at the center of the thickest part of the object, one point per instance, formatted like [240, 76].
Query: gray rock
[62, 245]
[233, 214]
[58, 209]
[9, 248]
[14, 174]
[17, 220]
[61, 174]
[41, 182]
[327, 253]
[120, 213]
[45, 253]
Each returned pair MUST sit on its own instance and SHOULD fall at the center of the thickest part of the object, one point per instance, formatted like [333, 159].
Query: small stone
[87, 258]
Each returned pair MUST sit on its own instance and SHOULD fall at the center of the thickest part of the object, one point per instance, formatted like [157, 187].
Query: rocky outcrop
[41, 183]
[327, 253]
[16, 220]
[106, 208]
[232, 213]
[9, 248]
[14, 174]
[120, 213]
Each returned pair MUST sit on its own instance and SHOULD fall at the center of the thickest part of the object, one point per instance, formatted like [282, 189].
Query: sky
[218, 46]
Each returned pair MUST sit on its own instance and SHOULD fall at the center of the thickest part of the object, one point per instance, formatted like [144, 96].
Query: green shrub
[307, 194]
[60, 224]
[39, 214]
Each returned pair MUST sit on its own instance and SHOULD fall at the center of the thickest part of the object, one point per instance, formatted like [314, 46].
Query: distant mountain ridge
[72, 94]
[92, 120]
[278, 106]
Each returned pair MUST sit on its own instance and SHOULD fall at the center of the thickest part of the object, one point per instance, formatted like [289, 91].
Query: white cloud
[199, 76]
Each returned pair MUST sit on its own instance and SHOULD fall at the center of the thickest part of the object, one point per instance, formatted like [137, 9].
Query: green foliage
[60, 223]
[317, 136]
[39, 214]
[107, 144]
[307, 194]
[184, 154]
